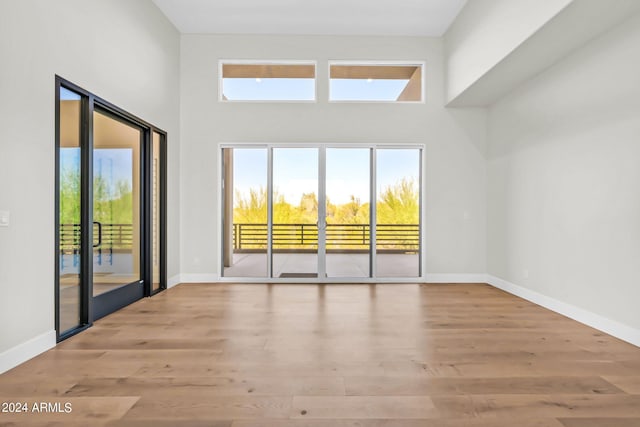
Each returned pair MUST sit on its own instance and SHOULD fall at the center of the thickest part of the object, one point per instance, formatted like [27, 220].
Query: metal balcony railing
[253, 237]
[339, 237]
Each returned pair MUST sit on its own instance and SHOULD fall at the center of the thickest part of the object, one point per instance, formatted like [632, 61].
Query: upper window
[376, 82]
[267, 81]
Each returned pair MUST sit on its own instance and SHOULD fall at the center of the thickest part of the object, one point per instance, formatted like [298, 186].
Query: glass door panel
[398, 213]
[116, 204]
[245, 212]
[69, 191]
[295, 213]
[348, 212]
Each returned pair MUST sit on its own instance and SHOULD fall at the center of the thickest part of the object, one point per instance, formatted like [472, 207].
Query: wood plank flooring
[240, 355]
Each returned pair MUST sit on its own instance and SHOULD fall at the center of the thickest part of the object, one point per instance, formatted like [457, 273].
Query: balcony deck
[338, 264]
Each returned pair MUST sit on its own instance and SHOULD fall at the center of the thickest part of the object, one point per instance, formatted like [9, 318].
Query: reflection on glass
[69, 191]
[156, 202]
[398, 213]
[116, 204]
[245, 215]
[348, 207]
[295, 212]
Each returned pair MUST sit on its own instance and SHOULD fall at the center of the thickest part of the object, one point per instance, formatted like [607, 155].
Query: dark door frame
[118, 298]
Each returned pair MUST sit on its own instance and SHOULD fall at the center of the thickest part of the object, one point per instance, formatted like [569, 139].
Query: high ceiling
[326, 17]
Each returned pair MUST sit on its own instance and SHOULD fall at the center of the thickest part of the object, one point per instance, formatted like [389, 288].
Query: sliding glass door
[397, 248]
[348, 212]
[70, 198]
[110, 190]
[245, 212]
[321, 213]
[295, 227]
[116, 208]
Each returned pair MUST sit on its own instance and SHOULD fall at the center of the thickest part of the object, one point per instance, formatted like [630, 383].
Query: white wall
[124, 51]
[487, 31]
[563, 174]
[455, 166]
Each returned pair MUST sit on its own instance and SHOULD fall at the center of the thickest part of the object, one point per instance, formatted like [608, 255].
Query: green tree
[70, 197]
[399, 203]
[308, 208]
[251, 209]
[112, 202]
[352, 212]
[122, 203]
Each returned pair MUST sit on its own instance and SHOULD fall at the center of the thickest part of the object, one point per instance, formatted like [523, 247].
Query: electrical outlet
[4, 218]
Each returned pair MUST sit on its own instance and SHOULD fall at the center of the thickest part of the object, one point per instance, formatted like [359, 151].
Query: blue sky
[366, 90]
[67, 95]
[303, 89]
[295, 171]
[269, 89]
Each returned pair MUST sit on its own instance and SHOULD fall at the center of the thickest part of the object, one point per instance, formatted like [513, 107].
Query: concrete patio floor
[338, 265]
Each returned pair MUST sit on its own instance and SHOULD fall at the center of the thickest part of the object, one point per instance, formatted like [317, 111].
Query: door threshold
[299, 275]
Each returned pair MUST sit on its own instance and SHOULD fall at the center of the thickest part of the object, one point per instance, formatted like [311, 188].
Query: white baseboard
[14, 356]
[199, 278]
[456, 278]
[429, 278]
[172, 281]
[611, 327]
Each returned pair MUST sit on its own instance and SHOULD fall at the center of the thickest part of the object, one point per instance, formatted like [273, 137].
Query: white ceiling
[329, 17]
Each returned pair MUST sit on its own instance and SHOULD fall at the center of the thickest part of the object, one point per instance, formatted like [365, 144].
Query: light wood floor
[333, 355]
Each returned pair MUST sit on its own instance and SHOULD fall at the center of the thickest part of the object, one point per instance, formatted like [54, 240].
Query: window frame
[222, 62]
[408, 63]
[374, 277]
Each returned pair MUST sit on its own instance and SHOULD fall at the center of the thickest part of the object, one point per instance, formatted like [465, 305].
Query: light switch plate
[4, 218]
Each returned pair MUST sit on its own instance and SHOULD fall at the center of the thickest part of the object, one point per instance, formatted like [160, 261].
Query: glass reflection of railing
[402, 238]
[106, 237]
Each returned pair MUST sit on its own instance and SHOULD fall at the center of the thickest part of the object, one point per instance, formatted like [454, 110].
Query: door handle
[99, 233]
